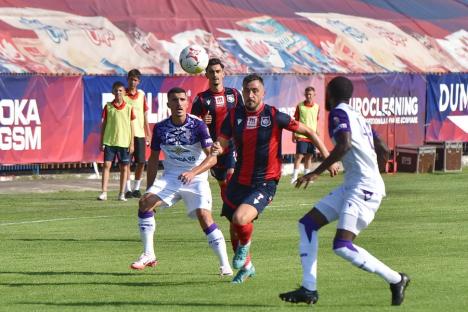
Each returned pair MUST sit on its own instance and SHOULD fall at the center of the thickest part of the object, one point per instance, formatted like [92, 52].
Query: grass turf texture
[77, 257]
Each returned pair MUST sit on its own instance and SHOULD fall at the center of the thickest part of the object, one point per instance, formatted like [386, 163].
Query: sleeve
[197, 106]
[239, 99]
[104, 113]
[338, 122]
[226, 126]
[296, 113]
[155, 140]
[204, 135]
[285, 121]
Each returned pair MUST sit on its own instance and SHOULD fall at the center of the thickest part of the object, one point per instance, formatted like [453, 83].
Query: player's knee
[344, 248]
[238, 219]
[147, 202]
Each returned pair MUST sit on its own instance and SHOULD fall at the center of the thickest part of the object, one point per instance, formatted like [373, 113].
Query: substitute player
[353, 204]
[137, 99]
[185, 142]
[256, 131]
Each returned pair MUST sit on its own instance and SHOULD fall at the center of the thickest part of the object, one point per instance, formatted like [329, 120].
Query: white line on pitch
[52, 220]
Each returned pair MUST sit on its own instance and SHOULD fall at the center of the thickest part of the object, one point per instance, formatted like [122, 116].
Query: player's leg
[307, 163]
[358, 213]
[109, 155]
[161, 194]
[322, 214]
[140, 159]
[124, 163]
[198, 202]
[297, 164]
[215, 240]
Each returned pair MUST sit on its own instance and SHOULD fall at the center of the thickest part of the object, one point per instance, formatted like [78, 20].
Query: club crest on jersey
[265, 121]
[252, 122]
[230, 98]
[239, 120]
[219, 100]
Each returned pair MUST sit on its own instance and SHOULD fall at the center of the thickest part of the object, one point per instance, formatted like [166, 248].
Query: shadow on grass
[49, 273]
[73, 240]
[126, 284]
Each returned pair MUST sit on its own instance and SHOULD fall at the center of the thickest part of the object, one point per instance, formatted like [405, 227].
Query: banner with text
[40, 119]
[447, 107]
[282, 91]
[394, 104]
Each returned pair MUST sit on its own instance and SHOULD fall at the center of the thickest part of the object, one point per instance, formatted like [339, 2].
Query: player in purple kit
[256, 132]
[353, 204]
[185, 141]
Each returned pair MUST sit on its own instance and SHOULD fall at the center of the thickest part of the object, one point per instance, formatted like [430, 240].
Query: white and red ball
[193, 59]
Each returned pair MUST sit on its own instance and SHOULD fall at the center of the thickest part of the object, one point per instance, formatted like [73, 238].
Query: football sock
[244, 233]
[128, 186]
[295, 174]
[137, 185]
[217, 243]
[306, 171]
[362, 259]
[308, 248]
[147, 226]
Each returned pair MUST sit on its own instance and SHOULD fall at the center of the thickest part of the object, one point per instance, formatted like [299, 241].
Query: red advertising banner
[41, 119]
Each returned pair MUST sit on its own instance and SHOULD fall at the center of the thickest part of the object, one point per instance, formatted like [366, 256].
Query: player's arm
[296, 117]
[152, 168]
[103, 127]
[312, 135]
[381, 149]
[206, 164]
[131, 147]
[145, 121]
[343, 145]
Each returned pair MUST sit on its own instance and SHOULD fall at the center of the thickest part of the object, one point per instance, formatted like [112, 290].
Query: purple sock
[210, 229]
[145, 215]
[309, 225]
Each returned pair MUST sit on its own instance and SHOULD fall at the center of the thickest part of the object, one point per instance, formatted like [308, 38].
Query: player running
[256, 131]
[353, 204]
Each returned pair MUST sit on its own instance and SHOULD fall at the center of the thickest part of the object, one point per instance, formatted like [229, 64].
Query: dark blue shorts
[305, 148]
[225, 162]
[139, 152]
[110, 152]
[258, 196]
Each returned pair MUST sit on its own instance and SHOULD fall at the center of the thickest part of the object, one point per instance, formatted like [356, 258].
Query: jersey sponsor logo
[252, 122]
[208, 102]
[265, 121]
[230, 98]
[178, 150]
[219, 100]
[239, 120]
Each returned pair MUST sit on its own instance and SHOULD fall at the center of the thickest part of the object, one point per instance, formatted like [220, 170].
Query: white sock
[217, 243]
[147, 228]
[295, 174]
[308, 252]
[360, 258]
[306, 171]
[137, 185]
[128, 186]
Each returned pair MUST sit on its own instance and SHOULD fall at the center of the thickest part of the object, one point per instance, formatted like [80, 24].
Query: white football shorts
[353, 208]
[196, 194]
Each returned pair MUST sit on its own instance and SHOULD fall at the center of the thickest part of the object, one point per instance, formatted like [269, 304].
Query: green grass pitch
[75, 256]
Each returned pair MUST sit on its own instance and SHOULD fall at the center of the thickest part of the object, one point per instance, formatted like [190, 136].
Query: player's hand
[216, 149]
[131, 149]
[186, 177]
[207, 119]
[103, 147]
[333, 169]
[294, 140]
[306, 179]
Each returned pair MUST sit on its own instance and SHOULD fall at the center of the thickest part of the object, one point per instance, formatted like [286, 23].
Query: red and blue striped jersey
[217, 105]
[257, 139]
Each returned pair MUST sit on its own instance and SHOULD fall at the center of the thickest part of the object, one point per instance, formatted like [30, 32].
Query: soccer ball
[193, 59]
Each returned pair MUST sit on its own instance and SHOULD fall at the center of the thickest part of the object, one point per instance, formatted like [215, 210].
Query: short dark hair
[176, 90]
[341, 88]
[134, 73]
[117, 85]
[215, 61]
[309, 89]
[250, 78]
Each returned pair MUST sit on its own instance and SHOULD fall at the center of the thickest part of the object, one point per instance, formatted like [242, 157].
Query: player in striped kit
[256, 131]
[353, 204]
